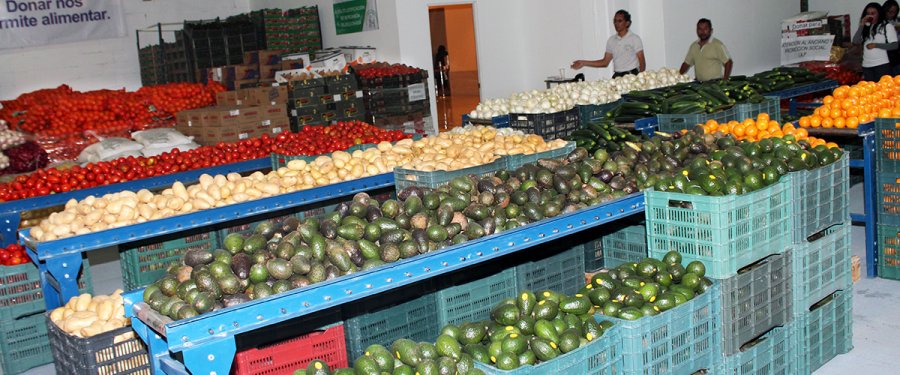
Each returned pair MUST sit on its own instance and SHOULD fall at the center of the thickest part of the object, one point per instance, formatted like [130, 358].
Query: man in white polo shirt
[624, 49]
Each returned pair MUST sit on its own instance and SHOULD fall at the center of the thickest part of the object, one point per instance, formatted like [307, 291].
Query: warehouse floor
[876, 330]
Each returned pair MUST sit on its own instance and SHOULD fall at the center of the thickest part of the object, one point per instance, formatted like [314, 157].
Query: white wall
[98, 64]
[838, 7]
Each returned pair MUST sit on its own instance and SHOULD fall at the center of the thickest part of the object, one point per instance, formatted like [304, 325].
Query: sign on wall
[353, 16]
[806, 48]
[25, 23]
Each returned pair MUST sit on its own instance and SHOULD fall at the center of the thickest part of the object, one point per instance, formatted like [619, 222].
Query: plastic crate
[23, 344]
[593, 112]
[601, 356]
[726, 233]
[563, 272]
[679, 341]
[826, 331]
[283, 358]
[755, 301]
[822, 267]
[501, 121]
[472, 301]
[771, 106]
[888, 198]
[102, 354]
[775, 353]
[145, 264]
[889, 251]
[515, 161]
[404, 178]
[21, 294]
[821, 198]
[628, 244]
[887, 142]
[671, 123]
[400, 313]
[547, 125]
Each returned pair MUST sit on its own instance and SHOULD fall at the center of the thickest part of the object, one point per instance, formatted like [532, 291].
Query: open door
[455, 65]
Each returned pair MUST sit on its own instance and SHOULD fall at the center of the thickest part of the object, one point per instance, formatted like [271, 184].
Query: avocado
[448, 347]
[407, 351]
[204, 302]
[545, 330]
[506, 361]
[240, 265]
[254, 243]
[366, 366]
[233, 243]
[382, 357]
[472, 333]
[505, 314]
[318, 367]
[543, 349]
[578, 304]
[478, 352]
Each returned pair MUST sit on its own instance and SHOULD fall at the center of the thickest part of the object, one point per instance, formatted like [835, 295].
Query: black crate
[546, 125]
[98, 355]
[298, 92]
[310, 101]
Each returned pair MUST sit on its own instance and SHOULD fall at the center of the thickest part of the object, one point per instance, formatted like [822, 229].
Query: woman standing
[891, 8]
[877, 39]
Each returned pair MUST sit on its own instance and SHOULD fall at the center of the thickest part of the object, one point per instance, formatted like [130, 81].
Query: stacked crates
[887, 141]
[166, 62]
[400, 102]
[288, 31]
[219, 43]
[324, 100]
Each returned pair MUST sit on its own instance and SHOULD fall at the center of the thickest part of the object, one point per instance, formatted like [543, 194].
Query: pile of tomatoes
[380, 70]
[310, 141]
[63, 111]
[13, 255]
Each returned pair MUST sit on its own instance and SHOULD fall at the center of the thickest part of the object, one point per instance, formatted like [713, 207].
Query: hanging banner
[353, 16]
[806, 48]
[25, 23]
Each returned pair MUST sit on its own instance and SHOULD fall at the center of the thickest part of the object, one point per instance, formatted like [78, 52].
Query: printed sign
[353, 16]
[806, 48]
[25, 23]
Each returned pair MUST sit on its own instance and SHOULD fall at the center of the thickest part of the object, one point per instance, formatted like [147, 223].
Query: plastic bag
[108, 149]
[161, 138]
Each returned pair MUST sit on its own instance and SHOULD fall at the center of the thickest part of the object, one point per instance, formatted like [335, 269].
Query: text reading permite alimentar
[22, 20]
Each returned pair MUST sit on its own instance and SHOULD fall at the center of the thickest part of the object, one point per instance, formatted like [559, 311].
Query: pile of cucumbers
[781, 78]
[602, 135]
[685, 98]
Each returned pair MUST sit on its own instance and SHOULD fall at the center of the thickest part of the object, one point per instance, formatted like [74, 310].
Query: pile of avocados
[364, 233]
[525, 330]
[634, 290]
[715, 164]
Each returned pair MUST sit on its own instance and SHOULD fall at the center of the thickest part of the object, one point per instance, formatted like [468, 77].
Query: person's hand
[870, 45]
[577, 64]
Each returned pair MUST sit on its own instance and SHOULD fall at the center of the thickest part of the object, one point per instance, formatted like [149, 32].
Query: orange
[815, 121]
[763, 117]
[853, 92]
[895, 113]
[711, 123]
[801, 133]
[804, 122]
[884, 113]
[774, 125]
[839, 123]
[824, 111]
[832, 144]
[852, 122]
[827, 123]
[841, 92]
[828, 99]
[853, 111]
[751, 132]
[738, 131]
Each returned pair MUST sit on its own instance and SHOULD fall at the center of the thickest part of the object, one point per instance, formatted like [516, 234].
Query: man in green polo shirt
[708, 55]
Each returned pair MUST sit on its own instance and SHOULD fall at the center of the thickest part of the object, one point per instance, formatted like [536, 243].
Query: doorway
[455, 66]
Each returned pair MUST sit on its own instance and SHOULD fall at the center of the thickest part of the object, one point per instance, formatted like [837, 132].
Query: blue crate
[821, 267]
[563, 272]
[826, 331]
[771, 106]
[501, 121]
[512, 162]
[776, 352]
[593, 112]
[821, 198]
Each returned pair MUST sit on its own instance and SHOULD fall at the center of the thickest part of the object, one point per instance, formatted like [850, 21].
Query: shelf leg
[869, 192]
[59, 279]
[156, 347]
[212, 358]
[792, 105]
[9, 228]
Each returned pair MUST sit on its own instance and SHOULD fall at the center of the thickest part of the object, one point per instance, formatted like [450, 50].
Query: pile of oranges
[761, 128]
[849, 106]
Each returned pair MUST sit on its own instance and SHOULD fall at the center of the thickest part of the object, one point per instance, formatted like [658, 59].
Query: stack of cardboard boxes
[258, 69]
[240, 114]
[323, 100]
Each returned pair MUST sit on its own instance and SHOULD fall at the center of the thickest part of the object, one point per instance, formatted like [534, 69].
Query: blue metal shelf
[60, 260]
[10, 212]
[207, 341]
[794, 92]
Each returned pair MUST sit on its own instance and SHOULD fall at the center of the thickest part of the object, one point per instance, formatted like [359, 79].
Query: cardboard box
[272, 112]
[246, 72]
[275, 126]
[272, 95]
[359, 55]
[246, 83]
[192, 118]
[333, 61]
[262, 58]
[211, 136]
[291, 64]
[222, 117]
[229, 98]
[251, 116]
[220, 74]
[268, 72]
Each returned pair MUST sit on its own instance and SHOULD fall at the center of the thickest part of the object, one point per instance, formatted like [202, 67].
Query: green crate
[887, 142]
[776, 352]
[145, 264]
[602, 356]
[21, 294]
[889, 251]
[679, 341]
[821, 198]
[725, 233]
[771, 106]
[594, 112]
[888, 197]
[472, 301]
[562, 272]
[821, 267]
[399, 313]
[671, 123]
[404, 178]
[827, 331]
[515, 161]
[24, 344]
[626, 245]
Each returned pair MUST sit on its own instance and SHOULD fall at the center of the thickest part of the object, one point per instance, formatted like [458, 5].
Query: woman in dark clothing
[442, 71]
[877, 39]
[891, 8]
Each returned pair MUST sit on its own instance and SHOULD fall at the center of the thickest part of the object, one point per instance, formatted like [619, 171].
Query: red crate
[285, 357]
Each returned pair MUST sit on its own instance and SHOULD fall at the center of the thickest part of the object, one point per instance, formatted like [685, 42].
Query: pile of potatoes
[447, 151]
[86, 316]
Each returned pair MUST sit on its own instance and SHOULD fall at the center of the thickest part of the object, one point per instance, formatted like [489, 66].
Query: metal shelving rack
[11, 212]
[206, 343]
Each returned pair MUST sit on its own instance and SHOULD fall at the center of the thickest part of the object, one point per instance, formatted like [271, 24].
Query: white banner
[806, 48]
[26, 23]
